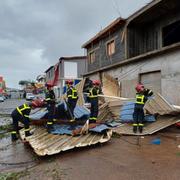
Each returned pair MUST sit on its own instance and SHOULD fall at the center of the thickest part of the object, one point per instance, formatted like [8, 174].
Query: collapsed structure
[66, 137]
[142, 48]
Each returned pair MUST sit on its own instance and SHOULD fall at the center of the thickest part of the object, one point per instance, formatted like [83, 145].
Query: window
[91, 57]
[171, 34]
[110, 48]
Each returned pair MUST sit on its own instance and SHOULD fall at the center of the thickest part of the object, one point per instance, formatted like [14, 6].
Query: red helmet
[37, 103]
[70, 82]
[139, 87]
[96, 82]
[34, 104]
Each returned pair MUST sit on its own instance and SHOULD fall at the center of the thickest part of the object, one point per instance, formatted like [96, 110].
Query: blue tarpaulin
[80, 113]
[99, 128]
[126, 113]
[67, 129]
[64, 129]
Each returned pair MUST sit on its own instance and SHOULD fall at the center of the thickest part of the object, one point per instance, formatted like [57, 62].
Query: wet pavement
[124, 157]
[13, 156]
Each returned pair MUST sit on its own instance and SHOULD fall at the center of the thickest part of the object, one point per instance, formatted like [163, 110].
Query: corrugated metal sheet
[161, 123]
[158, 105]
[49, 144]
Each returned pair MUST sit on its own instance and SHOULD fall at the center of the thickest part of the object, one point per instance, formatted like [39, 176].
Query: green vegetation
[4, 130]
[5, 127]
[13, 175]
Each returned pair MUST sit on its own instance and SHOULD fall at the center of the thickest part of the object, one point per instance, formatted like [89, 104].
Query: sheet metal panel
[161, 123]
[44, 143]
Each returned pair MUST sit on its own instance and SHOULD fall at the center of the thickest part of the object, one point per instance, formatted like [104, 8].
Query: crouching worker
[21, 114]
[138, 115]
[93, 93]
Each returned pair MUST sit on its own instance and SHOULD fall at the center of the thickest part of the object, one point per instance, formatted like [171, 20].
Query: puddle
[15, 155]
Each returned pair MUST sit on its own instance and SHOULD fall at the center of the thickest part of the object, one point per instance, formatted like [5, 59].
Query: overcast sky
[35, 33]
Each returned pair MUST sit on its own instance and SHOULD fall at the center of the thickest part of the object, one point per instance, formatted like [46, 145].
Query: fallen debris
[161, 123]
[158, 105]
[49, 144]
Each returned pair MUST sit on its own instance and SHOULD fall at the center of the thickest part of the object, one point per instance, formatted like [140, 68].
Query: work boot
[14, 137]
[135, 129]
[27, 133]
[140, 129]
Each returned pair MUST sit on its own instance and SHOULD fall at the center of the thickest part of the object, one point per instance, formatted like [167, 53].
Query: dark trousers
[16, 117]
[51, 111]
[138, 114]
[72, 105]
[94, 109]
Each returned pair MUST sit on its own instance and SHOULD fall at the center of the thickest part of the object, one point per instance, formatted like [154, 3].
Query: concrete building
[143, 48]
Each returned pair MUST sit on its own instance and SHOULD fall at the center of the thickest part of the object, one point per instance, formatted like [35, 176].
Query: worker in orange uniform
[21, 114]
[50, 104]
[138, 115]
[72, 97]
[93, 93]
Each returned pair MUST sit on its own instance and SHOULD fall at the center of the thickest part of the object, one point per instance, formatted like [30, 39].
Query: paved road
[8, 105]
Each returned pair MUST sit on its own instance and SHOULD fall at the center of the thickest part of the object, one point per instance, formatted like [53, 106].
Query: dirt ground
[123, 157]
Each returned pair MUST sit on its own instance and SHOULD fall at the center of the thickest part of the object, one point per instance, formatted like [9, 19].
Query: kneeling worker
[21, 114]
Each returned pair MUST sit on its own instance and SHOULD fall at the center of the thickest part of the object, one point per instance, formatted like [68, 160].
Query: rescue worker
[138, 115]
[72, 97]
[93, 99]
[21, 114]
[87, 86]
[50, 104]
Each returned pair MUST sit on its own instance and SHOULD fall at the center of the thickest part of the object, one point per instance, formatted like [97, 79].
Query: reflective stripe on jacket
[22, 110]
[140, 99]
[93, 93]
[72, 93]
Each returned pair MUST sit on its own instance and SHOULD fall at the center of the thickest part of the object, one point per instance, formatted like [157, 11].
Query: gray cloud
[35, 33]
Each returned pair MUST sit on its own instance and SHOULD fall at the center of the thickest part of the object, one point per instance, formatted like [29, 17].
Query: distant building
[41, 78]
[2, 86]
[67, 68]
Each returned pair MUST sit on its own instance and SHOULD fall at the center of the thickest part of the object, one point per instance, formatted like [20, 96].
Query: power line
[116, 7]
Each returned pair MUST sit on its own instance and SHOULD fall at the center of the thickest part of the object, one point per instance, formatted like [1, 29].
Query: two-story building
[143, 48]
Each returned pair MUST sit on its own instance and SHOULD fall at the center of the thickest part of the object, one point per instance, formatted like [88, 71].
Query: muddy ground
[124, 157]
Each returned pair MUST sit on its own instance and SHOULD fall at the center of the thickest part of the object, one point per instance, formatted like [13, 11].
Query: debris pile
[115, 116]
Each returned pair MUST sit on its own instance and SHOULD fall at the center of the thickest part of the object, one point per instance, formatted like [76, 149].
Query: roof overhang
[49, 69]
[153, 10]
[73, 58]
[118, 22]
